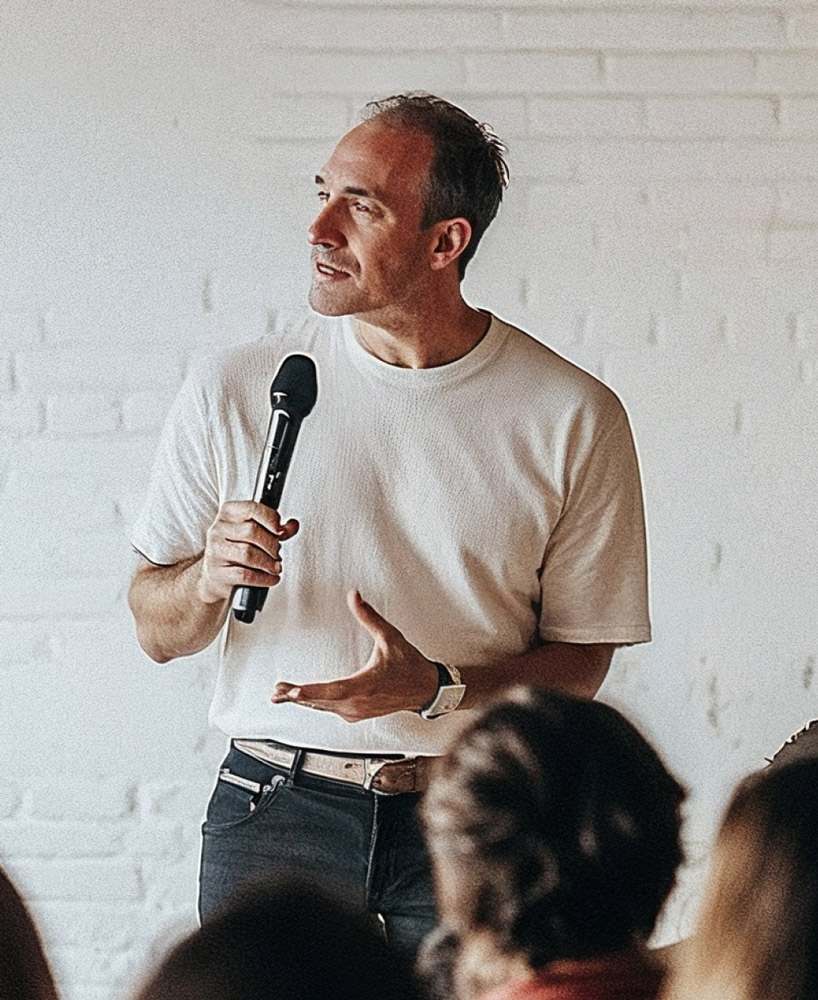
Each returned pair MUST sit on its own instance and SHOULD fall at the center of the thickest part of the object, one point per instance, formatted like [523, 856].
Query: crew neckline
[482, 352]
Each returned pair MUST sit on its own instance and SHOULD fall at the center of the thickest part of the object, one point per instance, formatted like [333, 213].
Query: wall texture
[156, 167]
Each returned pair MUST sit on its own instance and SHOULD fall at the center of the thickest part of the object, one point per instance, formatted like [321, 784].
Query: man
[474, 495]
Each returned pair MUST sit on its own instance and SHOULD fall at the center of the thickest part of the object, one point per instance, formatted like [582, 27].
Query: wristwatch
[450, 692]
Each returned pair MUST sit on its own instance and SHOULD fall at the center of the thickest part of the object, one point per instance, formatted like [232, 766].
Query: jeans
[366, 846]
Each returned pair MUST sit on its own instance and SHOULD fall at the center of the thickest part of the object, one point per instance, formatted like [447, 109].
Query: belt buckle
[373, 766]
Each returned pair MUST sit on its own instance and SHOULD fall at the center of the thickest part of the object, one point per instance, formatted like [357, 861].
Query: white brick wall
[155, 184]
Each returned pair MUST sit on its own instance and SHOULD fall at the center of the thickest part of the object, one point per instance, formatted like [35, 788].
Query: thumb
[377, 626]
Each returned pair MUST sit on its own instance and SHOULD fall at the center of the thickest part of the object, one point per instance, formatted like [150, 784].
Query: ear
[450, 239]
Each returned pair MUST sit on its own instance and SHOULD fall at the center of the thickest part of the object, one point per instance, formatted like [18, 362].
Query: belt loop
[296, 765]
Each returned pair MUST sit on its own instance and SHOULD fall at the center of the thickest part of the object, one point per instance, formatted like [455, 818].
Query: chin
[329, 305]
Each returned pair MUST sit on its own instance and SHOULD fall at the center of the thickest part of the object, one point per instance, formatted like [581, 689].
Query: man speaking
[469, 517]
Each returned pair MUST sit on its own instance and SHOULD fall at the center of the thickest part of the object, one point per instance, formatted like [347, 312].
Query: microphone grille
[298, 380]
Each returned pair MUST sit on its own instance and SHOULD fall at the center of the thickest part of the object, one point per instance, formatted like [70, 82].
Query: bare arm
[180, 609]
[399, 677]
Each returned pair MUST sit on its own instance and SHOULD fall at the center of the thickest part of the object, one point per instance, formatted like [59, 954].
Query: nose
[324, 231]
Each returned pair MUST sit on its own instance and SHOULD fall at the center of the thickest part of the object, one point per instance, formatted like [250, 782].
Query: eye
[359, 206]
[323, 196]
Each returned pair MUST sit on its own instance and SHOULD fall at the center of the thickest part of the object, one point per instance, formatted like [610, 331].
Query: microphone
[292, 397]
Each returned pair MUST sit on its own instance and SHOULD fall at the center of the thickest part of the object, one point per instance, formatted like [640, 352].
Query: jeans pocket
[237, 800]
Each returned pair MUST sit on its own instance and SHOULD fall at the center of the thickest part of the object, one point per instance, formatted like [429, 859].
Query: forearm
[172, 619]
[570, 667]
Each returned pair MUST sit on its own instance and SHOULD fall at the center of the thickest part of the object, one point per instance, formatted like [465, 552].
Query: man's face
[369, 254]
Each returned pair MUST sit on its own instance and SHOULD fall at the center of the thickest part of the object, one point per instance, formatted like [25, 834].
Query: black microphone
[292, 396]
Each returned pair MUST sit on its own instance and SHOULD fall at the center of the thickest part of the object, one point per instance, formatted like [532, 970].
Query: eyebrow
[361, 192]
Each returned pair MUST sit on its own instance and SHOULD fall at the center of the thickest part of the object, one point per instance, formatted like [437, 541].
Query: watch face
[447, 700]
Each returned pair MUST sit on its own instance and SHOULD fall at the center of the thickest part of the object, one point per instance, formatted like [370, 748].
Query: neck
[423, 339]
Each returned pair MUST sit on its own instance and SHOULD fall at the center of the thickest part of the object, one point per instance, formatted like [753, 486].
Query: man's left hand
[397, 677]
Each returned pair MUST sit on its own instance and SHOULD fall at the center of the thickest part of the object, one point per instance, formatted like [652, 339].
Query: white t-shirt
[476, 505]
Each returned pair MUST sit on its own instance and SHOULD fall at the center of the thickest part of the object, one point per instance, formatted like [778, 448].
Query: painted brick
[20, 329]
[799, 116]
[114, 926]
[788, 72]
[715, 201]
[802, 28]
[714, 117]
[587, 116]
[66, 370]
[35, 599]
[533, 72]
[799, 203]
[97, 881]
[795, 247]
[589, 202]
[639, 29]
[375, 29]
[284, 70]
[741, 159]
[673, 73]
[21, 414]
[89, 799]
[6, 376]
[89, 413]
[145, 411]
[60, 840]
[10, 801]
[22, 644]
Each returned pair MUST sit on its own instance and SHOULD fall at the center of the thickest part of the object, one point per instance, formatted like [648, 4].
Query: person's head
[24, 970]
[288, 941]
[757, 934]
[406, 197]
[554, 833]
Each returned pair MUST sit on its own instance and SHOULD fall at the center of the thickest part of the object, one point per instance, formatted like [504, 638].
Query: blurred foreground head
[554, 832]
[24, 971]
[757, 937]
[290, 941]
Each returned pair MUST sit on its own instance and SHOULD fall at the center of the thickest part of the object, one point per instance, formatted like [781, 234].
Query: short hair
[290, 940]
[468, 171]
[554, 829]
[757, 934]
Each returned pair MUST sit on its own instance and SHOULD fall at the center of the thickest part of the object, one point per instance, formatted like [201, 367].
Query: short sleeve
[594, 581]
[182, 498]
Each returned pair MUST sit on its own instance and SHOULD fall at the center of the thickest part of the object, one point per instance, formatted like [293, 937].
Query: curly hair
[554, 831]
[469, 170]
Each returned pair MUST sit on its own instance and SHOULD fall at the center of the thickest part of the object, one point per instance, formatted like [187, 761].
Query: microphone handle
[272, 472]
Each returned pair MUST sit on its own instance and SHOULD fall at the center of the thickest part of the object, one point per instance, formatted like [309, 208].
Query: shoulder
[541, 374]
[239, 373]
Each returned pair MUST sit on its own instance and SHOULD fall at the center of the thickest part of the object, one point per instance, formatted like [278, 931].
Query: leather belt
[384, 775]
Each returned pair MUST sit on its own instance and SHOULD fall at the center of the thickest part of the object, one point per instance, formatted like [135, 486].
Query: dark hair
[24, 970]
[757, 935]
[468, 172]
[288, 941]
[554, 829]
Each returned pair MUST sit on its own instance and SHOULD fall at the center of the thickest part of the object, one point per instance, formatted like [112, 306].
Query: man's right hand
[243, 549]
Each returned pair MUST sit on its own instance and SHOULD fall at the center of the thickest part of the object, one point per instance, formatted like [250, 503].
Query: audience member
[24, 970]
[757, 935]
[554, 833]
[290, 941]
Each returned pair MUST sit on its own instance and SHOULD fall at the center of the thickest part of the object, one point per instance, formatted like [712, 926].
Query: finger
[288, 529]
[311, 694]
[238, 511]
[377, 626]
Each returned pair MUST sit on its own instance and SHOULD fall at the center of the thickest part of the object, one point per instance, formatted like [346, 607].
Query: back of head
[468, 171]
[289, 941]
[757, 937]
[24, 971]
[554, 828]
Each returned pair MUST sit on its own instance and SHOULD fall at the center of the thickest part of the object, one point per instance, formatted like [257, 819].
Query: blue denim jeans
[366, 846]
